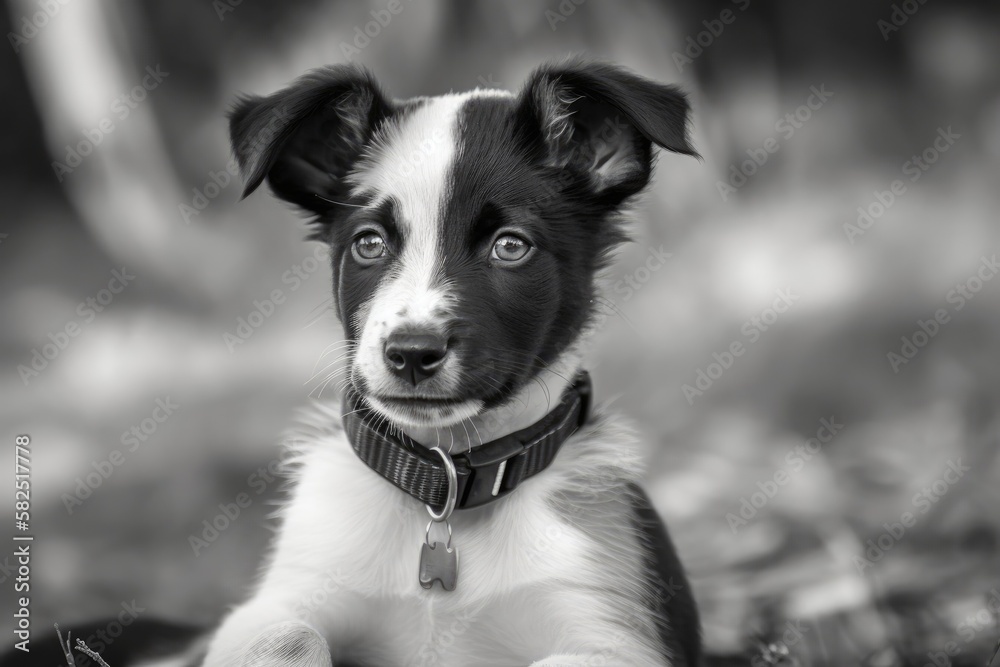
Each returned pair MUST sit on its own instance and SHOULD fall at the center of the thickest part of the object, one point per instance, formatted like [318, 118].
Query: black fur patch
[512, 321]
[669, 590]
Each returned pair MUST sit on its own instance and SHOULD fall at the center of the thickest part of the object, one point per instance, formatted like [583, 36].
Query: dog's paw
[288, 644]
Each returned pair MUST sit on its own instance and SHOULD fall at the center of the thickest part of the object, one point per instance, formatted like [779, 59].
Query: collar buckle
[490, 469]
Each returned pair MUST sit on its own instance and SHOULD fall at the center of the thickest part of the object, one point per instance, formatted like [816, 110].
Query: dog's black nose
[415, 356]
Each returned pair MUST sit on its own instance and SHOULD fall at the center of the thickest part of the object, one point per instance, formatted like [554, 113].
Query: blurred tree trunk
[115, 169]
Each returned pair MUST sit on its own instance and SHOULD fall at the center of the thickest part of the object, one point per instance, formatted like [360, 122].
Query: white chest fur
[534, 579]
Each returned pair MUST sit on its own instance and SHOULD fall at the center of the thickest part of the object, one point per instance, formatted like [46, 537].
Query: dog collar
[473, 478]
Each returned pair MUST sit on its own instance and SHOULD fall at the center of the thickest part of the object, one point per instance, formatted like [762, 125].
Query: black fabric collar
[485, 473]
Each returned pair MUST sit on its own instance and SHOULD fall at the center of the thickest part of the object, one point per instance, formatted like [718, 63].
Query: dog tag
[438, 562]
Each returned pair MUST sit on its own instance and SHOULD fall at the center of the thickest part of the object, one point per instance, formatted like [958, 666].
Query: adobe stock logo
[87, 310]
[221, 179]
[102, 639]
[212, 527]
[381, 18]
[264, 309]
[696, 45]
[131, 439]
[218, 181]
[317, 598]
[900, 15]
[795, 461]
[753, 329]
[223, 7]
[923, 501]
[962, 293]
[628, 286]
[31, 26]
[634, 280]
[122, 106]
[787, 126]
[566, 9]
[914, 169]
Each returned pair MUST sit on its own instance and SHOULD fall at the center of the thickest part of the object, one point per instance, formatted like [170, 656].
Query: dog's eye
[510, 248]
[368, 247]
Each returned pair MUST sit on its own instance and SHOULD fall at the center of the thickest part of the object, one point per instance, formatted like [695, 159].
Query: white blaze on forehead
[410, 163]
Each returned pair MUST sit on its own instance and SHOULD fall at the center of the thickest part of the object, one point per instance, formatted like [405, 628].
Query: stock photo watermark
[333, 582]
[628, 286]
[102, 639]
[795, 462]
[634, 280]
[752, 330]
[899, 16]
[424, 149]
[265, 308]
[121, 107]
[131, 440]
[982, 620]
[922, 502]
[562, 13]
[695, 45]
[203, 196]
[913, 169]
[927, 329]
[212, 527]
[87, 310]
[487, 81]
[363, 35]
[223, 178]
[435, 649]
[223, 7]
[30, 26]
[785, 127]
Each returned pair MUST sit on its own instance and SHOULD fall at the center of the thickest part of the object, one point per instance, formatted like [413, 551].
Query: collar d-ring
[452, 497]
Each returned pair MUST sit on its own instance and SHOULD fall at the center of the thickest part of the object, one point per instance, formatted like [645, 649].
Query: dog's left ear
[600, 121]
[306, 138]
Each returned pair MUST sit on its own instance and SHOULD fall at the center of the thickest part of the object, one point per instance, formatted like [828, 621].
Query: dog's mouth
[427, 401]
[436, 405]
[424, 411]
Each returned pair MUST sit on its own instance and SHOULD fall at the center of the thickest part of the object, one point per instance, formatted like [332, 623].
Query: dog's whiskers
[478, 434]
[339, 345]
[317, 373]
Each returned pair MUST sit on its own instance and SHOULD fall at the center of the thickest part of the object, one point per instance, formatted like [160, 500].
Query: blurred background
[806, 329]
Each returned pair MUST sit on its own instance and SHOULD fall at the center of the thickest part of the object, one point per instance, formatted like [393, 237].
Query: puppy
[463, 506]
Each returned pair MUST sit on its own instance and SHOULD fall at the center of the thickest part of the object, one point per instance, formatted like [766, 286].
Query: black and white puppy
[466, 232]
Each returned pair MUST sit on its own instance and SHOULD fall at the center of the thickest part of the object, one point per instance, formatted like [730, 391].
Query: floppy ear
[601, 121]
[306, 138]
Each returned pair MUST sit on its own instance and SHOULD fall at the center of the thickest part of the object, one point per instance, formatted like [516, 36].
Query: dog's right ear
[601, 121]
[306, 138]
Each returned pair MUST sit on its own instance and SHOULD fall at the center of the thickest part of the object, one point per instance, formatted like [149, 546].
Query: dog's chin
[424, 413]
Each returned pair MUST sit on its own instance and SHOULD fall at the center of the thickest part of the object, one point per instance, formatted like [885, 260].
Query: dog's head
[465, 230]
